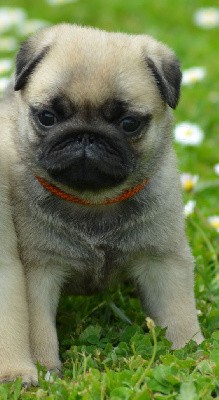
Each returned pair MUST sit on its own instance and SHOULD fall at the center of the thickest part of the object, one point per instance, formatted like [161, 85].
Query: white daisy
[193, 75]
[207, 18]
[60, 2]
[48, 377]
[10, 17]
[30, 26]
[216, 169]
[214, 222]
[3, 84]
[188, 181]
[189, 207]
[188, 134]
[5, 65]
[8, 43]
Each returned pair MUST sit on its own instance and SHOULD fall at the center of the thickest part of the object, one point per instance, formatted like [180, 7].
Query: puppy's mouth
[86, 160]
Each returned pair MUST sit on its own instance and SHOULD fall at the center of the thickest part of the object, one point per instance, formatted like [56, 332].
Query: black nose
[87, 160]
[85, 139]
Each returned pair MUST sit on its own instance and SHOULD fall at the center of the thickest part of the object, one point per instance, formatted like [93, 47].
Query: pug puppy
[15, 357]
[95, 188]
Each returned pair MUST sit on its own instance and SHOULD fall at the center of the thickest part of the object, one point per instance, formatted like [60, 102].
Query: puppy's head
[94, 107]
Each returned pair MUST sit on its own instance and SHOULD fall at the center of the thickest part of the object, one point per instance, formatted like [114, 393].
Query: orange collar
[125, 195]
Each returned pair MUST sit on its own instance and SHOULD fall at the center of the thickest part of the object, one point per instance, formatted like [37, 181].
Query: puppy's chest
[84, 262]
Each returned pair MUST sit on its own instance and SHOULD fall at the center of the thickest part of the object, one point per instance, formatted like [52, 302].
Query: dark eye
[130, 124]
[46, 118]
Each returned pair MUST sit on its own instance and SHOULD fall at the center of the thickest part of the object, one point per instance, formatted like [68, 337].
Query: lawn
[107, 350]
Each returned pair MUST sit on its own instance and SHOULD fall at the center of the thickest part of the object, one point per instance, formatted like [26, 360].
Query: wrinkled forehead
[89, 71]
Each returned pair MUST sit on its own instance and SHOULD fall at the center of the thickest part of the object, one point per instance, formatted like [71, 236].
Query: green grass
[104, 356]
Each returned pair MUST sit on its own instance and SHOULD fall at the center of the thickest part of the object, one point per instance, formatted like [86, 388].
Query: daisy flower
[188, 181]
[3, 83]
[32, 25]
[216, 169]
[8, 44]
[214, 222]
[48, 377]
[188, 134]
[10, 17]
[189, 207]
[60, 2]
[5, 65]
[193, 75]
[207, 18]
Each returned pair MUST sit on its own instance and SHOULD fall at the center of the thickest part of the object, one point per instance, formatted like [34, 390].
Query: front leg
[15, 357]
[43, 286]
[167, 294]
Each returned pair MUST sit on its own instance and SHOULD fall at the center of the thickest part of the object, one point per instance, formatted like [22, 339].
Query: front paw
[27, 372]
[179, 338]
[48, 360]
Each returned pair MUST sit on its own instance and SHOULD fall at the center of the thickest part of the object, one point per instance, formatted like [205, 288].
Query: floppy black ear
[168, 79]
[26, 62]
